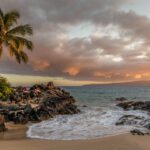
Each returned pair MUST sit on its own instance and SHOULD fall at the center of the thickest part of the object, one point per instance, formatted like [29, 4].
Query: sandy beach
[15, 139]
[121, 142]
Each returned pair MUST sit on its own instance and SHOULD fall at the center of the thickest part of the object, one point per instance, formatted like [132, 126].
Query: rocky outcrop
[138, 132]
[37, 103]
[134, 120]
[141, 124]
[131, 120]
[135, 105]
[121, 99]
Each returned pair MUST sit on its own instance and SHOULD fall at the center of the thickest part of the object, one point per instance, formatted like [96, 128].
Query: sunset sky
[80, 42]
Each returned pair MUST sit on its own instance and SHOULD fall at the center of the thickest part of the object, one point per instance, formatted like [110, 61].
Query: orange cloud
[40, 65]
[101, 74]
[72, 71]
[138, 76]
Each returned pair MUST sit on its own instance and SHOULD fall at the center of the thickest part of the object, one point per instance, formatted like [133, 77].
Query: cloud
[72, 71]
[116, 50]
[40, 65]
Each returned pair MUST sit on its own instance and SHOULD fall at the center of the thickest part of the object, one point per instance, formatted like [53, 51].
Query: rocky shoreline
[34, 104]
[44, 101]
[137, 121]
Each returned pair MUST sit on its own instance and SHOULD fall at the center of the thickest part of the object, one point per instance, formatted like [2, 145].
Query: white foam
[91, 123]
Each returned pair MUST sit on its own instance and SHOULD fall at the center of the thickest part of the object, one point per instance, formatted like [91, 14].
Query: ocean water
[105, 95]
[97, 119]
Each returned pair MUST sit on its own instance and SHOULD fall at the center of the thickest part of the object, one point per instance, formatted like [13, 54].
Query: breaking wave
[93, 122]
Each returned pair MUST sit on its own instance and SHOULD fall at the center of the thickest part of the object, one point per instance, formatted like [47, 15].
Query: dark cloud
[98, 57]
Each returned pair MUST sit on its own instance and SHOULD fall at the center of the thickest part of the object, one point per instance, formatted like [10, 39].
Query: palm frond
[14, 52]
[18, 41]
[10, 18]
[1, 20]
[11, 49]
[18, 58]
[1, 13]
[13, 37]
[24, 56]
[19, 55]
[10, 40]
[21, 30]
[27, 43]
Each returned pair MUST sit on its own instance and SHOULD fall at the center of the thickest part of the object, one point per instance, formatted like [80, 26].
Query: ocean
[97, 119]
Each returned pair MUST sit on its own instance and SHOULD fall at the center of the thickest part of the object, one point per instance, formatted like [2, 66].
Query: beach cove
[15, 139]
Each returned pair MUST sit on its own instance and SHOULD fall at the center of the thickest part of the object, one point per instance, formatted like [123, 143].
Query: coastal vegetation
[13, 36]
[5, 89]
[13, 39]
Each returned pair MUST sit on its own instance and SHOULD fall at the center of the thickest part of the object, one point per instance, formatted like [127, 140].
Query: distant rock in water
[132, 120]
[35, 104]
[135, 105]
[121, 99]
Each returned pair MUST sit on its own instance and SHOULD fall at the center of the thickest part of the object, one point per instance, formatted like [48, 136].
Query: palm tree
[12, 36]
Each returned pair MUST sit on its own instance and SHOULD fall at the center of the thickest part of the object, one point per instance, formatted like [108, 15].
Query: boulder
[131, 120]
[50, 85]
[121, 99]
[135, 105]
[137, 131]
[2, 124]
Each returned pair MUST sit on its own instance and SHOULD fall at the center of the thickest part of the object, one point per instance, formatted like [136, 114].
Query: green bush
[5, 89]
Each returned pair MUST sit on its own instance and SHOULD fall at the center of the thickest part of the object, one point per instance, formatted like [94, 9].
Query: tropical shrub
[5, 89]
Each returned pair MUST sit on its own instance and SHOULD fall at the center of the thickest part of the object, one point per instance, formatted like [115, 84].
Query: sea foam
[91, 123]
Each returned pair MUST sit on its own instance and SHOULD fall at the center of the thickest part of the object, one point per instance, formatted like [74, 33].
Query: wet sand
[15, 139]
[14, 132]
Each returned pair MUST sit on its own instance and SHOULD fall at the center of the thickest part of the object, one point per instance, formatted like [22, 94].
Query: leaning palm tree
[13, 37]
